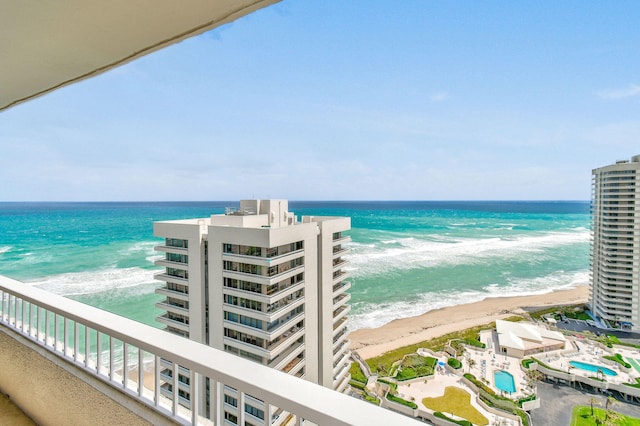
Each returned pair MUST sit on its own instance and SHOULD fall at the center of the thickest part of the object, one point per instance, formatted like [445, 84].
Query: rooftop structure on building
[615, 244]
[259, 283]
[521, 339]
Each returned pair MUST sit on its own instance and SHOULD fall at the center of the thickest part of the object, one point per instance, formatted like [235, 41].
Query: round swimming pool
[592, 367]
[504, 381]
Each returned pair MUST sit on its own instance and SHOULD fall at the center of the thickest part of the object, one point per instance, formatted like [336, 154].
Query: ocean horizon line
[296, 201]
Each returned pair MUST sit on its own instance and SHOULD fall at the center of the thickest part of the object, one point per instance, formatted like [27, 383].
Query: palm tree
[608, 412]
[593, 401]
[470, 362]
[532, 376]
[612, 418]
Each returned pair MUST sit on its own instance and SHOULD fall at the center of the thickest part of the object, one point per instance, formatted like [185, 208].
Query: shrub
[547, 366]
[618, 358]
[382, 364]
[523, 416]
[357, 373]
[454, 363]
[402, 401]
[445, 417]
[393, 386]
[406, 374]
[372, 399]
[478, 383]
[527, 399]
[357, 385]
[475, 342]
[527, 362]
[424, 370]
[613, 339]
[416, 366]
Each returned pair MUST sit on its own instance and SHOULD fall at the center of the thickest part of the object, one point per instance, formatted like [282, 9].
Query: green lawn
[458, 402]
[382, 364]
[357, 374]
[581, 416]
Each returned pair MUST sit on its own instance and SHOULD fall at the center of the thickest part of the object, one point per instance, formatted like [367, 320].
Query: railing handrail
[302, 398]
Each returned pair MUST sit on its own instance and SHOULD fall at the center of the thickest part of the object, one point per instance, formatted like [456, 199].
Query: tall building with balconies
[258, 283]
[615, 244]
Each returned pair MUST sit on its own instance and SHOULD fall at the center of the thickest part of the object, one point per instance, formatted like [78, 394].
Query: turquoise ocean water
[406, 257]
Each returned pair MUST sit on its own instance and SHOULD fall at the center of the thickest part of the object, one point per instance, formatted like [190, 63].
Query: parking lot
[557, 402]
[580, 326]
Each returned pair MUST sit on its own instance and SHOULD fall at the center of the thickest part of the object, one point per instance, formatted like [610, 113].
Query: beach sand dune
[372, 342]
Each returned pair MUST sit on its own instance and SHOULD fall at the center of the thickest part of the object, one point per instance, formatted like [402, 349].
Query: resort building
[258, 283]
[615, 244]
[519, 339]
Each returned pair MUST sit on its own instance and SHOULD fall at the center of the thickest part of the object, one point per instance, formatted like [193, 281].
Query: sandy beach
[372, 342]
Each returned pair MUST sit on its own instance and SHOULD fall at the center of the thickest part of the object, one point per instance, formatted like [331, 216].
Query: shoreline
[372, 342]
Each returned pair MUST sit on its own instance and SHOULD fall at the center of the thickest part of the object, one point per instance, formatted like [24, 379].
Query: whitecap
[411, 253]
[78, 283]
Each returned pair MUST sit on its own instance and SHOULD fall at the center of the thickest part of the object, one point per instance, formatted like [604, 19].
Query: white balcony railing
[101, 343]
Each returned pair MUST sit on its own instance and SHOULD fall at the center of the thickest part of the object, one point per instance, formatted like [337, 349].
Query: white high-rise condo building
[258, 283]
[615, 244]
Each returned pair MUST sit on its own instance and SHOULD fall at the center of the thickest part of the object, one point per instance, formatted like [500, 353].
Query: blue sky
[347, 100]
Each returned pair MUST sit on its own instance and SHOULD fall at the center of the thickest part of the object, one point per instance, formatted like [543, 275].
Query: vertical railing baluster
[12, 310]
[140, 371]
[111, 354]
[30, 318]
[194, 395]
[176, 372]
[65, 336]
[87, 349]
[98, 351]
[156, 387]
[55, 332]
[38, 309]
[125, 364]
[76, 340]
[47, 323]
[24, 311]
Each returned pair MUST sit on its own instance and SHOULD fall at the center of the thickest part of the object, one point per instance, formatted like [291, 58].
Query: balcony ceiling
[45, 45]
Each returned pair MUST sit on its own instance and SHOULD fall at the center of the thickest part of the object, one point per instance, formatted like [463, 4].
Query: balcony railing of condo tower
[99, 343]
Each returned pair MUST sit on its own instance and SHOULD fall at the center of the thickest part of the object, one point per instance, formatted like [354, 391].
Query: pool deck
[486, 362]
[435, 387]
[590, 353]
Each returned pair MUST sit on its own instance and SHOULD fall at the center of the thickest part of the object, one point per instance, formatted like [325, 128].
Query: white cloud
[631, 91]
[439, 96]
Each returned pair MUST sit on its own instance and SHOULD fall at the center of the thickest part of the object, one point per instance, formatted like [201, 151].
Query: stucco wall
[51, 395]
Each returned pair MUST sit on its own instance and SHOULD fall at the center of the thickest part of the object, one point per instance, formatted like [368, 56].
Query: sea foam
[411, 252]
[373, 315]
[79, 283]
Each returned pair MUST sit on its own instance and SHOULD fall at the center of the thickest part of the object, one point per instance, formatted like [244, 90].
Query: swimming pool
[593, 368]
[504, 381]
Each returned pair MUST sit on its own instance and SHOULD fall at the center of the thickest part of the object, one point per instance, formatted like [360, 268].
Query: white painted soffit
[48, 44]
